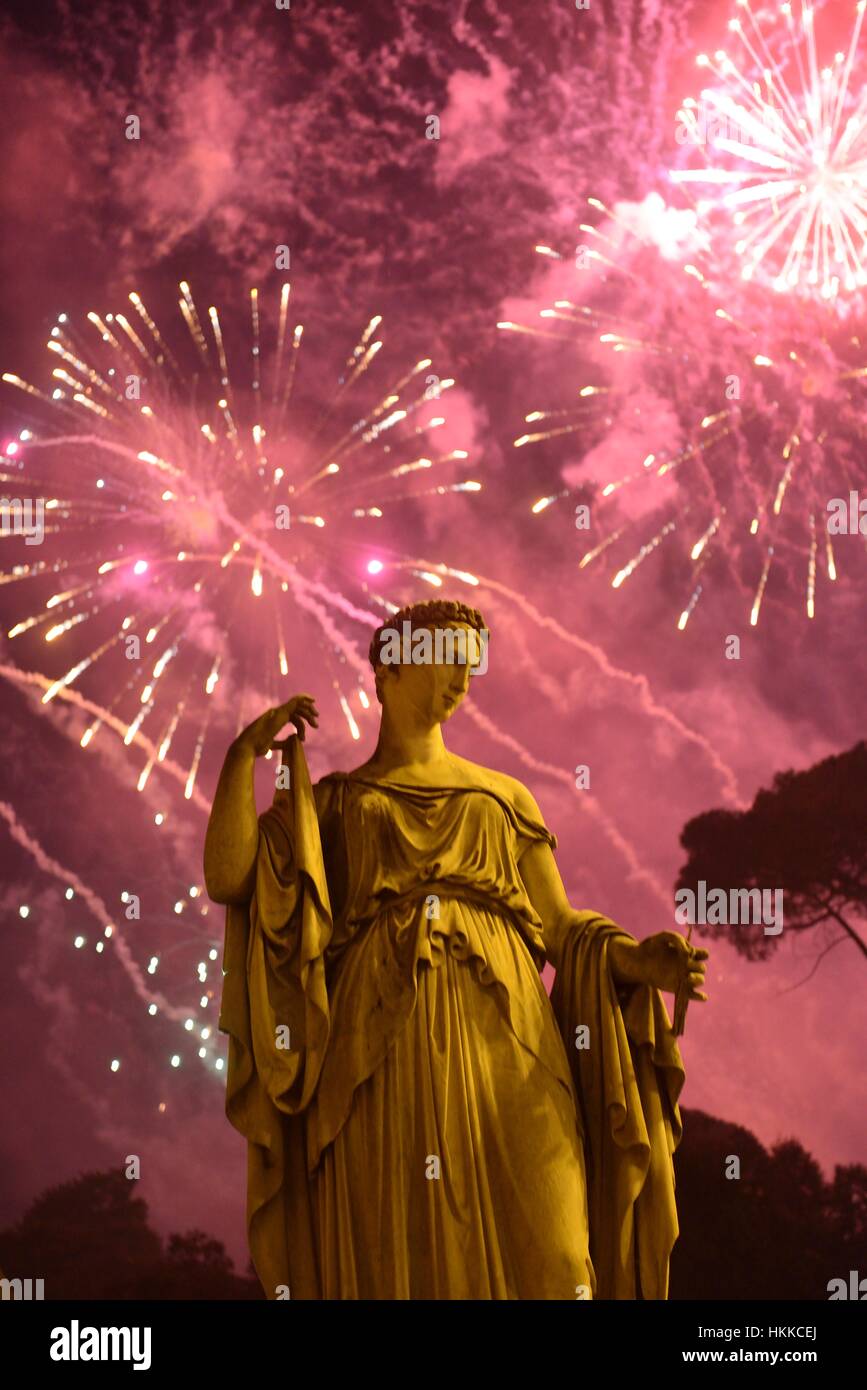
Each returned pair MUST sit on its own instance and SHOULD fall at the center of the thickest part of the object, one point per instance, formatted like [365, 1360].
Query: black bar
[259, 1340]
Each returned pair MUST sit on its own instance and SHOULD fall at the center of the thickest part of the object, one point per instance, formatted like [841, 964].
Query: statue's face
[429, 689]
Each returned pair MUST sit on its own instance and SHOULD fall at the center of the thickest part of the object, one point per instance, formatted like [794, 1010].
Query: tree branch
[850, 931]
[820, 957]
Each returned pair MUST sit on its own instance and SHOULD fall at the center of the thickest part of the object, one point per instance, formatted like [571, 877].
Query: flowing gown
[417, 1126]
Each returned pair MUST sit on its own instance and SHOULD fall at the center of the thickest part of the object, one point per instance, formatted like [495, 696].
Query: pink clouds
[474, 119]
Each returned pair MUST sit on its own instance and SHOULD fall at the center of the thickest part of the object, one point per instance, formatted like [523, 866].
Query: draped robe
[422, 1121]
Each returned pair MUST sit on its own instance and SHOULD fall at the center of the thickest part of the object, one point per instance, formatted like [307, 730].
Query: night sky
[307, 128]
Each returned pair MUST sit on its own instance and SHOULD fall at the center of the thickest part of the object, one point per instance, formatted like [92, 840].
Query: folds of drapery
[628, 1078]
[275, 1010]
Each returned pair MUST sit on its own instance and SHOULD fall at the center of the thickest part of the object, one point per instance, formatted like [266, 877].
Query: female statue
[422, 1120]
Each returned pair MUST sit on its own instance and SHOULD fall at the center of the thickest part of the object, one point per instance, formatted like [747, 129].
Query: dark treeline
[779, 1230]
[90, 1238]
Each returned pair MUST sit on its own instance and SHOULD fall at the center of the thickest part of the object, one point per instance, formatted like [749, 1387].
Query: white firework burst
[786, 142]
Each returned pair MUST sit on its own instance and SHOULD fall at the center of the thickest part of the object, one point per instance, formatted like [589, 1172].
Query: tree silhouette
[90, 1238]
[777, 1230]
[807, 835]
[200, 1250]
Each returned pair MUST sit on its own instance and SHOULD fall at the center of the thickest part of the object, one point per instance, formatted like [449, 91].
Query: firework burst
[214, 535]
[786, 146]
[721, 425]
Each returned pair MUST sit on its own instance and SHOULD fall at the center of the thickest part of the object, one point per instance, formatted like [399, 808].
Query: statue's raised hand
[261, 736]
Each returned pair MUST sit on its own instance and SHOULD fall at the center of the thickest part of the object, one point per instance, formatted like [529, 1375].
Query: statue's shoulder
[509, 789]
[491, 779]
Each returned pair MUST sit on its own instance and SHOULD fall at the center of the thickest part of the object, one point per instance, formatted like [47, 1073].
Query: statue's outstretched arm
[664, 960]
[545, 889]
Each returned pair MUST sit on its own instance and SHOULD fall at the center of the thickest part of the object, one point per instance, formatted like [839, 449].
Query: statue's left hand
[669, 962]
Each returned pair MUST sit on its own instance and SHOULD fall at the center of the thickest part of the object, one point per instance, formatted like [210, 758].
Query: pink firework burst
[216, 509]
[715, 422]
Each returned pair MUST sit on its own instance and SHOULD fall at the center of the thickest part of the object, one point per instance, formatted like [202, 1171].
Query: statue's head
[423, 658]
